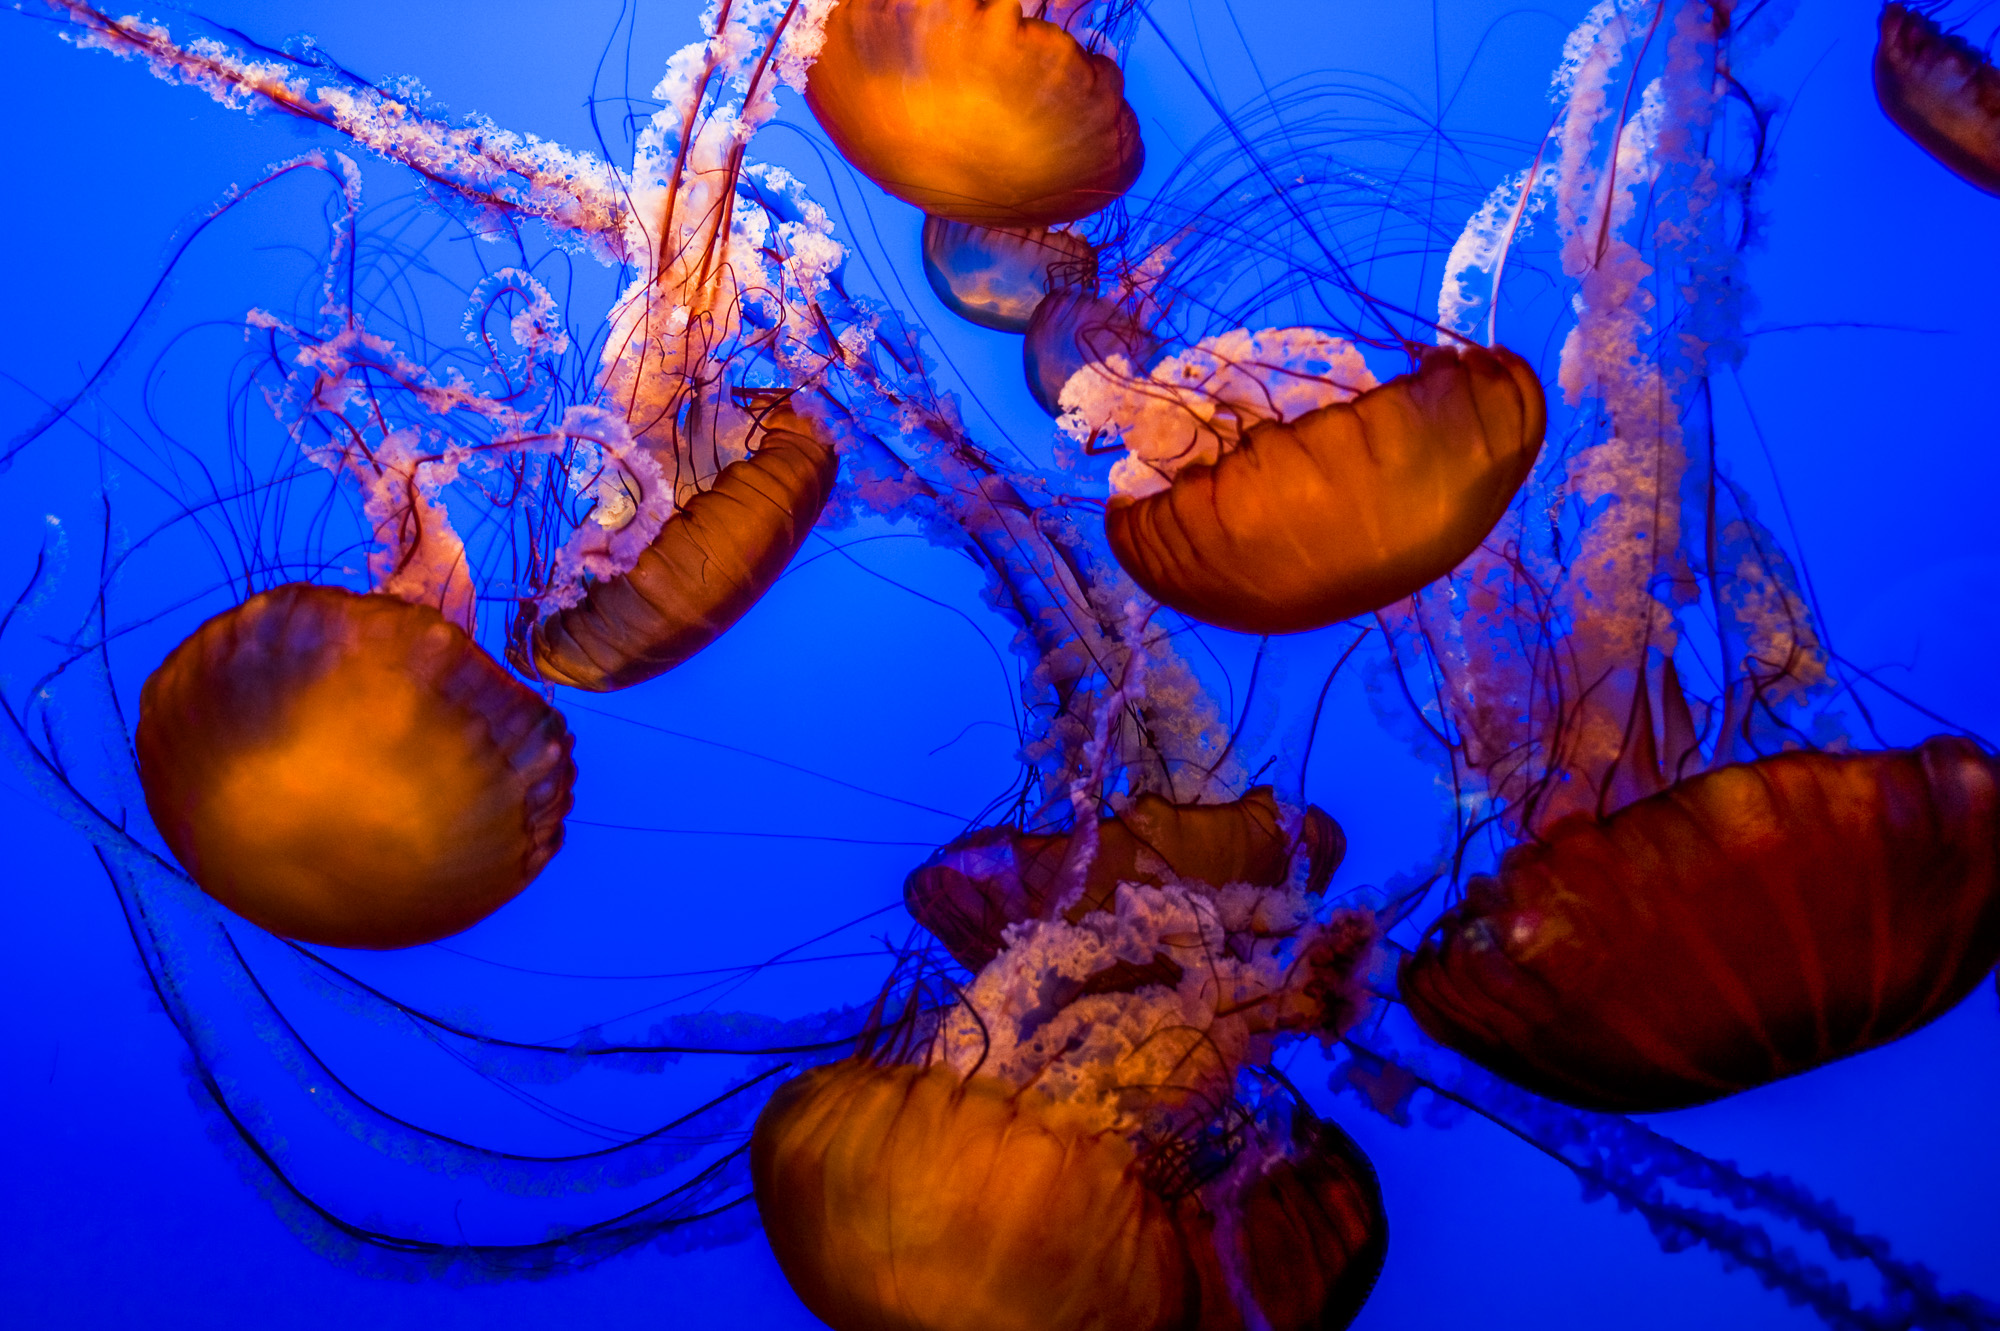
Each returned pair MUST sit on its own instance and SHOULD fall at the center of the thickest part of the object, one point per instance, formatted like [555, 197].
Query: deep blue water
[1863, 419]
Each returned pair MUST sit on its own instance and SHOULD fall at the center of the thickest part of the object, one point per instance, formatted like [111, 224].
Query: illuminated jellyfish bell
[901, 1196]
[713, 558]
[1740, 926]
[1936, 88]
[1272, 486]
[351, 770]
[996, 277]
[975, 113]
[1066, 1150]
[974, 888]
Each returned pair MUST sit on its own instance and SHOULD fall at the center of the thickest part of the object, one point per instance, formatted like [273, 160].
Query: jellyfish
[356, 770]
[1076, 1118]
[974, 888]
[1742, 925]
[1072, 1123]
[1282, 522]
[997, 278]
[350, 770]
[1068, 330]
[979, 111]
[711, 561]
[1699, 900]
[1269, 483]
[701, 503]
[883, 1178]
[1941, 92]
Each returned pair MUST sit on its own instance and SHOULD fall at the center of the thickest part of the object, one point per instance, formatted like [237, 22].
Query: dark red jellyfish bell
[1072, 329]
[1741, 926]
[1345, 509]
[970, 891]
[973, 112]
[996, 277]
[351, 770]
[713, 559]
[1310, 1234]
[1936, 88]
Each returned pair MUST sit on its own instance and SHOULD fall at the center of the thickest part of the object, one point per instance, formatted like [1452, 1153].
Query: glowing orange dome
[350, 770]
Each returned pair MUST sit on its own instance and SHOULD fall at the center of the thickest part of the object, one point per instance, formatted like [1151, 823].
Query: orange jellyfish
[1699, 899]
[975, 113]
[1064, 1147]
[351, 770]
[995, 277]
[1239, 513]
[971, 890]
[712, 560]
[705, 483]
[906, 1196]
[901, 1196]
[1941, 92]
[1740, 926]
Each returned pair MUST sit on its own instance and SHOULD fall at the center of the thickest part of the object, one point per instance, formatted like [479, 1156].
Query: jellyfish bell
[1072, 329]
[712, 560]
[973, 112]
[1066, 1147]
[350, 770]
[904, 1196]
[1746, 924]
[972, 890]
[996, 277]
[1306, 521]
[1307, 1236]
[1940, 91]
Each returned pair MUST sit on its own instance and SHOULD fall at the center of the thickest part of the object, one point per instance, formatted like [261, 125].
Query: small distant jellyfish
[1069, 330]
[351, 770]
[1936, 88]
[995, 277]
[1066, 1150]
[975, 112]
[1272, 486]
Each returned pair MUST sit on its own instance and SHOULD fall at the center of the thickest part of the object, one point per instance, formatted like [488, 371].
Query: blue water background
[1872, 451]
